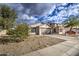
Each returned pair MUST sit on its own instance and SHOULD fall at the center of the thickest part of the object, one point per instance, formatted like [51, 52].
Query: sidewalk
[70, 47]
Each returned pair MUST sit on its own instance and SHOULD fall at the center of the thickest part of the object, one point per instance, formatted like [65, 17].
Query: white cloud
[27, 17]
[17, 7]
[27, 11]
[52, 9]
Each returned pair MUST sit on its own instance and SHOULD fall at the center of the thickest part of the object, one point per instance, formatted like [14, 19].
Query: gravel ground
[30, 44]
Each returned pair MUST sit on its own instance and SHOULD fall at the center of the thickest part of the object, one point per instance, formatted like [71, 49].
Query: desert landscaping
[32, 43]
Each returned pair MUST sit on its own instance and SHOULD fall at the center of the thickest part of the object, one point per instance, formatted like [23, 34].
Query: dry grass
[30, 44]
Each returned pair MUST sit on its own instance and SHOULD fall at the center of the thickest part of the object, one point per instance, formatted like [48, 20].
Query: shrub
[71, 33]
[9, 39]
[21, 31]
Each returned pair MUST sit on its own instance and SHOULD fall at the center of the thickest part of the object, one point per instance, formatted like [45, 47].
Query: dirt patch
[30, 44]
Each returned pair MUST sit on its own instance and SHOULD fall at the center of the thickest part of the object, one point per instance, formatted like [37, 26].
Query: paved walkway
[70, 47]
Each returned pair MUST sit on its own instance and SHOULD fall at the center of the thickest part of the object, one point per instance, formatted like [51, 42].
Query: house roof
[35, 25]
[41, 25]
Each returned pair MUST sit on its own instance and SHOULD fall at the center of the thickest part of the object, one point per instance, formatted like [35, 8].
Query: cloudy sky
[47, 12]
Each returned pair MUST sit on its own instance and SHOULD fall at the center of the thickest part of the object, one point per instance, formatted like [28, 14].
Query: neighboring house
[41, 29]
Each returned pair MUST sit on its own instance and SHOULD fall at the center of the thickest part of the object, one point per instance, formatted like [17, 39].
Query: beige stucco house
[42, 29]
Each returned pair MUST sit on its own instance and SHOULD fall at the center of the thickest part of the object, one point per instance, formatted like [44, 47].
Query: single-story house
[41, 29]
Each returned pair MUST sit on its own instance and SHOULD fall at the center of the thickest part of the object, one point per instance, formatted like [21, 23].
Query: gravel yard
[30, 44]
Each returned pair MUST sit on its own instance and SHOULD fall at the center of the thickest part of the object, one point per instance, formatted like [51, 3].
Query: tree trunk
[70, 28]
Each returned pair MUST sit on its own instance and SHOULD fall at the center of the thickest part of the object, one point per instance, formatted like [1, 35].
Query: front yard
[30, 44]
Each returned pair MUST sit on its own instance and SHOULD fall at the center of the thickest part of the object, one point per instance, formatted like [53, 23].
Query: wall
[45, 31]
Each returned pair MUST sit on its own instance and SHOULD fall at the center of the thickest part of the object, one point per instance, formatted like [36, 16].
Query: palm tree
[71, 22]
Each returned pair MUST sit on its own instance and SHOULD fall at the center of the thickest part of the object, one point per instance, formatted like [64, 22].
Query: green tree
[21, 31]
[71, 22]
[7, 17]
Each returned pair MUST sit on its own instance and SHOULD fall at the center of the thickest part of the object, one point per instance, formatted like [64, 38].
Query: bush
[9, 39]
[21, 31]
[71, 33]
